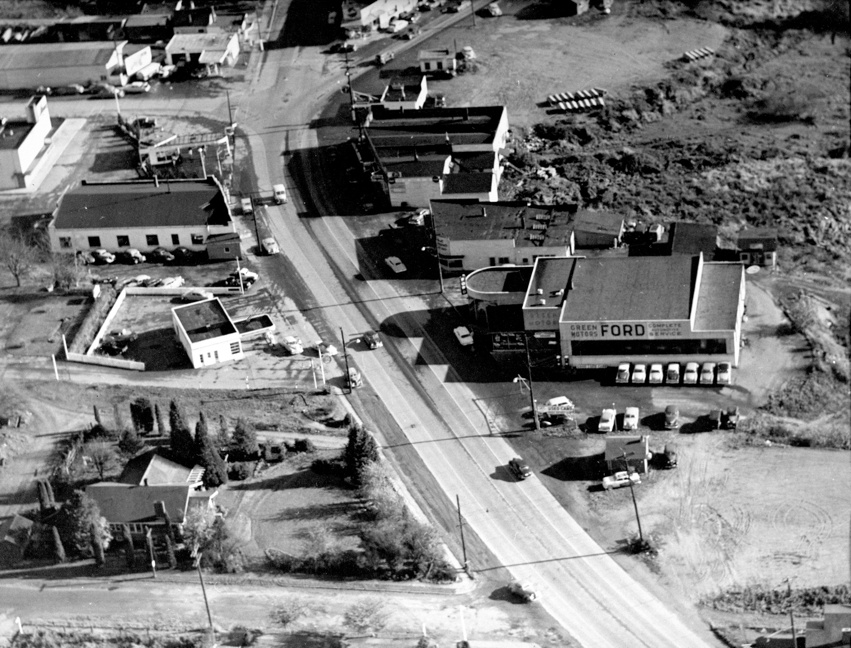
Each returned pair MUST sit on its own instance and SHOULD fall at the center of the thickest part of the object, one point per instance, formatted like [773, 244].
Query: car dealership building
[598, 312]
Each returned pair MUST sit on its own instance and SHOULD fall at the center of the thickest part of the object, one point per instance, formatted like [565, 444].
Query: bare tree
[17, 255]
[102, 455]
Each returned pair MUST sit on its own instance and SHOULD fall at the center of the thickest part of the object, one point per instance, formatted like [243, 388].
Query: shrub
[304, 445]
[332, 467]
[289, 611]
[239, 470]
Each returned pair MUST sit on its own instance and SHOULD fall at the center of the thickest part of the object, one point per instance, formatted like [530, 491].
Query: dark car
[715, 418]
[519, 468]
[372, 340]
[669, 455]
[160, 255]
[731, 418]
[131, 256]
[183, 255]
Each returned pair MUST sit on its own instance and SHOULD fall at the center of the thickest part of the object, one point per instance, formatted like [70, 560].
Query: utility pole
[473, 12]
[346, 359]
[204, 592]
[531, 389]
[461, 528]
[351, 90]
[436, 253]
[791, 614]
[634, 502]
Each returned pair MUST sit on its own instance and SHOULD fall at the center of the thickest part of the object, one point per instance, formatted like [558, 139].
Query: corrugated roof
[142, 204]
[631, 288]
[718, 297]
[55, 55]
[128, 504]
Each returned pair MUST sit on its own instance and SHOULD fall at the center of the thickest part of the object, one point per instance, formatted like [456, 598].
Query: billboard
[627, 330]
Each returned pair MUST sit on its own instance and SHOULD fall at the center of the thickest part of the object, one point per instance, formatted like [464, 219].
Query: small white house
[207, 333]
[441, 61]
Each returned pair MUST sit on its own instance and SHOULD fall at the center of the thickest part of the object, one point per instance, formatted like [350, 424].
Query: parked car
[104, 91]
[372, 340]
[639, 374]
[468, 53]
[672, 375]
[656, 375]
[690, 374]
[324, 349]
[715, 419]
[395, 264]
[270, 246]
[559, 407]
[69, 90]
[354, 379]
[519, 468]
[524, 591]
[138, 280]
[172, 282]
[137, 87]
[418, 217]
[131, 256]
[196, 294]
[620, 479]
[247, 276]
[707, 373]
[630, 419]
[183, 255]
[725, 373]
[293, 345]
[167, 70]
[160, 255]
[102, 256]
[669, 455]
[607, 420]
[279, 194]
[672, 417]
[247, 206]
[463, 335]
[731, 418]
[622, 375]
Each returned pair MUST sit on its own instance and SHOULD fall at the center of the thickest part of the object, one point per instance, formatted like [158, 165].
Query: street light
[531, 392]
[436, 252]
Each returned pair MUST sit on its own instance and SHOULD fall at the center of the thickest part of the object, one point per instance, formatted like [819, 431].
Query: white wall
[138, 240]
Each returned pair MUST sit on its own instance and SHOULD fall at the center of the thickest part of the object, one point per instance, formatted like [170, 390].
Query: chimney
[484, 212]
[159, 509]
[522, 220]
[156, 181]
[145, 482]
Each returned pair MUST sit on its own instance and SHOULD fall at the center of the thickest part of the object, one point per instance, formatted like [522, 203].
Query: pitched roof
[156, 470]
[183, 203]
[600, 222]
[693, 238]
[718, 296]
[129, 504]
[758, 238]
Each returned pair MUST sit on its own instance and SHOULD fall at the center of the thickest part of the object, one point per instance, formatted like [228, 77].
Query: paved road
[522, 524]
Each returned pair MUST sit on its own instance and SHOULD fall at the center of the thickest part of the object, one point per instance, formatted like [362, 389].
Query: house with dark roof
[474, 234]
[147, 507]
[693, 238]
[598, 229]
[150, 468]
[758, 246]
[207, 333]
[141, 214]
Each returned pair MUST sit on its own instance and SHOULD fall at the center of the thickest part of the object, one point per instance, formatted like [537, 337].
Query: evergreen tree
[161, 426]
[142, 415]
[181, 441]
[98, 419]
[245, 439]
[223, 436]
[97, 545]
[130, 443]
[202, 435]
[361, 450]
[79, 515]
[215, 469]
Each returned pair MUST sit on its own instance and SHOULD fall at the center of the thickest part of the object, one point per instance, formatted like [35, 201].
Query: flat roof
[12, 133]
[36, 56]
[147, 20]
[600, 222]
[173, 203]
[436, 122]
[718, 297]
[406, 92]
[408, 167]
[474, 160]
[198, 42]
[541, 225]
[436, 53]
[465, 183]
[504, 279]
[549, 276]
[204, 320]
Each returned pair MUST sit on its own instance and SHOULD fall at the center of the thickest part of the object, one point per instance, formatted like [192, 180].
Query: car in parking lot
[690, 374]
[395, 264]
[324, 349]
[672, 375]
[656, 375]
[131, 256]
[725, 373]
[137, 87]
[559, 407]
[519, 468]
[707, 373]
[622, 376]
[525, 591]
[247, 206]
[196, 294]
[292, 345]
[247, 276]
[159, 255]
[620, 479]
[463, 335]
[372, 340]
[183, 255]
[672, 417]
[639, 374]
[607, 420]
[630, 418]
[102, 256]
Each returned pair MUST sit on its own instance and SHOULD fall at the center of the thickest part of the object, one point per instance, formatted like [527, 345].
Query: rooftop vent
[539, 291]
[542, 302]
[539, 226]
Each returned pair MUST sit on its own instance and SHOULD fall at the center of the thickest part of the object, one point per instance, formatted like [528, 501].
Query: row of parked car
[132, 256]
[709, 373]
[716, 420]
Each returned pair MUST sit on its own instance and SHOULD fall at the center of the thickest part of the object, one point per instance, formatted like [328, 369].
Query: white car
[639, 374]
[247, 206]
[620, 479]
[630, 419]
[325, 349]
[137, 87]
[725, 373]
[102, 256]
[463, 335]
[172, 282]
[707, 373]
[293, 345]
[138, 280]
[395, 264]
[690, 374]
[196, 294]
[622, 377]
[418, 217]
[656, 375]
[270, 246]
[607, 420]
[248, 277]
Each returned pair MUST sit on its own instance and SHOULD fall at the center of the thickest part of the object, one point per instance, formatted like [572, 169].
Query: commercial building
[211, 50]
[24, 146]
[207, 333]
[364, 16]
[437, 61]
[472, 235]
[598, 229]
[141, 214]
[599, 312]
[61, 64]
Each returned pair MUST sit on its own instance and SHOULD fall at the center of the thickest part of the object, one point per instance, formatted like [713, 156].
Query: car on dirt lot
[171, 282]
[196, 294]
[672, 375]
[247, 277]
[183, 255]
[131, 256]
[620, 479]
[104, 91]
[160, 255]
[639, 374]
[559, 407]
[519, 468]
[707, 373]
[137, 87]
[138, 280]
[672, 417]
[622, 375]
[669, 455]
[607, 420]
[731, 418]
[372, 340]
[102, 256]
[655, 377]
[526, 592]
[463, 335]
[292, 345]
[725, 373]
[630, 419]
[690, 374]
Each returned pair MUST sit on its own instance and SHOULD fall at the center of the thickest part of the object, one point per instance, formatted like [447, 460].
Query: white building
[211, 50]
[365, 16]
[207, 333]
[23, 144]
[61, 64]
[401, 96]
[440, 61]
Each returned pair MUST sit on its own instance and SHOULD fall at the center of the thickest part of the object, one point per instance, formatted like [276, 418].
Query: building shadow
[307, 24]
[582, 468]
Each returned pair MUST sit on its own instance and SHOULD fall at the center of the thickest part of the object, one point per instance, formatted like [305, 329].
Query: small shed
[598, 229]
[758, 247]
[224, 246]
[437, 60]
[636, 448]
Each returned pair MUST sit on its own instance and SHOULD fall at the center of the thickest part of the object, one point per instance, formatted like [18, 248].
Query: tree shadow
[316, 512]
[302, 479]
